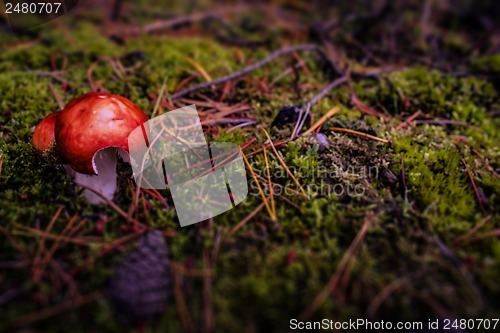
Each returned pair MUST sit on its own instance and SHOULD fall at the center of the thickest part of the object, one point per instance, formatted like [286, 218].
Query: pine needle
[476, 190]
[287, 189]
[258, 185]
[483, 159]
[364, 135]
[32, 232]
[336, 278]
[109, 202]
[322, 120]
[245, 220]
[284, 164]
[160, 96]
[271, 190]
[465, 237]
[106, 248]
[408, 121]
[199, 68]
[50, 253]
[41, 243]
[186, 321]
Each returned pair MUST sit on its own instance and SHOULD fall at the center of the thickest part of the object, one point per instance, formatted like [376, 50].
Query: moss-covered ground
[429, 198]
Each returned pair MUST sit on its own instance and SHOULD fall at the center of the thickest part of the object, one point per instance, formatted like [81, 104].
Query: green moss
[462, 99]
[489, 64]
[268, 271]
[437, 180]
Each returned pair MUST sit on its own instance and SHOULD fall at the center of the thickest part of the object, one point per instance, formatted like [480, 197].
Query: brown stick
[245, 71]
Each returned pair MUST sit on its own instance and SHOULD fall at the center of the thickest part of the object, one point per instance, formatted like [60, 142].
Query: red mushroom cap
[92, 122]
[44, 133]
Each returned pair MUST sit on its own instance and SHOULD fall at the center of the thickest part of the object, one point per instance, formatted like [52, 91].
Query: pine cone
[139, 287]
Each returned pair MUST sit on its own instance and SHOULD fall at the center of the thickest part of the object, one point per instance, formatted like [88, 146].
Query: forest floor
[393, 210]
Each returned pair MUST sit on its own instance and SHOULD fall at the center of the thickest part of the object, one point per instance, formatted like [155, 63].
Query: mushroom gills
[104, 182]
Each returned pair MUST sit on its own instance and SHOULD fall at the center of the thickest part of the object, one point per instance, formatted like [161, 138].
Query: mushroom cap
[44, 132]
[92, 122]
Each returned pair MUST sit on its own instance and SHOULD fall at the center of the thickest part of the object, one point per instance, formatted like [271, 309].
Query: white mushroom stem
[104, 182]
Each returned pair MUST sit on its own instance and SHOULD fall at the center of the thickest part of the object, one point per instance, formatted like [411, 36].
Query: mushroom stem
[104, 182]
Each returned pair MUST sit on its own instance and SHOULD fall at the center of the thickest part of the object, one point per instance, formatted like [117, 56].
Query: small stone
[321, 140]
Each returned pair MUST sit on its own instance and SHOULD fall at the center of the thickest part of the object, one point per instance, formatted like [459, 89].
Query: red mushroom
[43, 137]
[92, 122]
[88, 133]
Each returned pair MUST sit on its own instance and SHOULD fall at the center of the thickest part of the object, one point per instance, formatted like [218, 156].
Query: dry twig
[245, 71]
